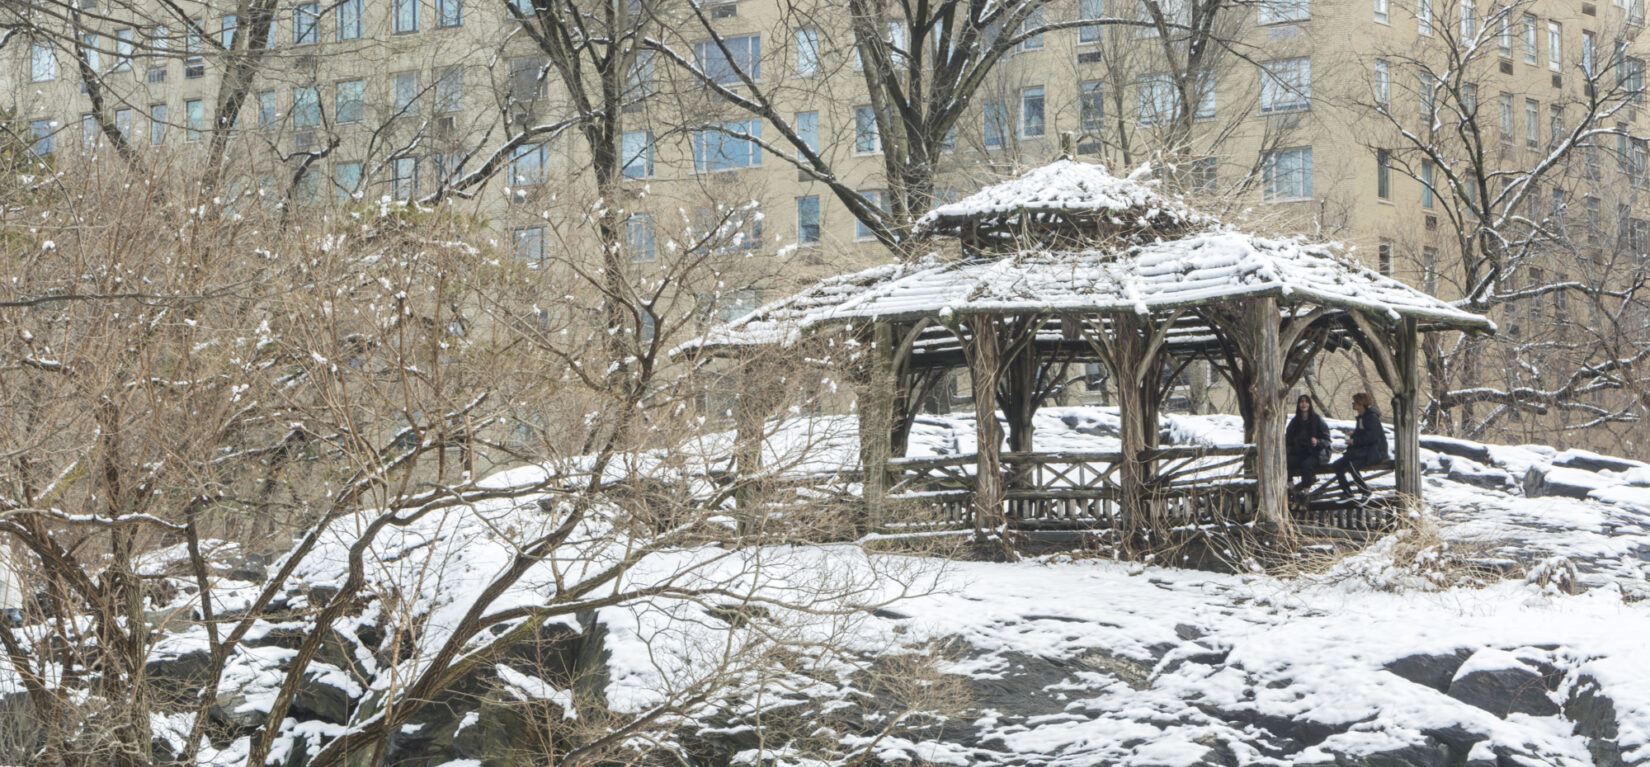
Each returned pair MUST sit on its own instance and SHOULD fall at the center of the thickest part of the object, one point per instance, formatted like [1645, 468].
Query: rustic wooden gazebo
[1068, 264]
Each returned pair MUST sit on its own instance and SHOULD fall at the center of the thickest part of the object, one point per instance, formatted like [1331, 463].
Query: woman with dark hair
[1306, 442]
[1367, 446]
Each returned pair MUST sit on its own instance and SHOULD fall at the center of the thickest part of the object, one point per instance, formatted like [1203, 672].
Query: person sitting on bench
[1307, 443]
[1367, 446]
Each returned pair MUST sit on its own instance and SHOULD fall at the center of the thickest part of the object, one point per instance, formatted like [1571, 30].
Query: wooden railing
[1080, 489]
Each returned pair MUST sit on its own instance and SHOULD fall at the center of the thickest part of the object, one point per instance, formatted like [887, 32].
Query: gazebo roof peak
[1066, 197]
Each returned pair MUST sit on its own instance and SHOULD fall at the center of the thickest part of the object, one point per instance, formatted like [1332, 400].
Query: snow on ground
[1072, 661]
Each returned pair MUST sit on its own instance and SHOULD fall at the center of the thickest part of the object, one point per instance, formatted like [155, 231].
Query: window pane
[1092, 106]
[349, 106]
[866, 139]
[449, 13]
[807, 129]
[807, 219]
[1031, 112]
[306, 107]
[349, 20]
[636, 153]
[405, 14]
[807, 52]
[157, 124]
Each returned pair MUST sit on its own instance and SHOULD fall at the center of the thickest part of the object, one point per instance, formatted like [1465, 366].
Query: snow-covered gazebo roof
[1069, 197]
[1203, 268]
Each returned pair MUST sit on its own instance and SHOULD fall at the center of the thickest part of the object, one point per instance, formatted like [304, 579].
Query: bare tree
[1530, 230]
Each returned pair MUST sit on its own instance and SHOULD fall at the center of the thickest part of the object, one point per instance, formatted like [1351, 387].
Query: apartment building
[1395, 128]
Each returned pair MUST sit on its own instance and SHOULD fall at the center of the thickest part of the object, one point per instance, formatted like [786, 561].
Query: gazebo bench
[1326, 489]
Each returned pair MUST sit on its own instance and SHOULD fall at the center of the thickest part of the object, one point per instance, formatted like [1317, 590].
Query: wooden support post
[984, 371]
[1406, 413]
[876, 419]
[1128, 345]
[1022, 398]
[1261, 321]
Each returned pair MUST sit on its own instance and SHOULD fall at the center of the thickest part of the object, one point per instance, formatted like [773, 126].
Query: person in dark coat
[1306, 442]
[1366, 447]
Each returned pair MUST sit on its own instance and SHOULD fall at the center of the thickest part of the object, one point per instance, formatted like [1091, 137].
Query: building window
[1555, 123]
[306, 107]
[160, 45]
[1090, 10]
[405, 15]
[879, 200]
[42, 63]
[1286, 86]
[807, 52]
[727, 147]
[1429, 269]
[866, 138]
[639, 237]
[1287, 175]
[1555, 46]
[807, 129]
[1381, 9]
[1031, 113]
[1278, 11]
[194, 65]
[89, 132]
[267, 112]
[1426, 184]
[527, 165]
[807, 220]
[90, 48]
[306, 19]
[346, 177]
[405, 95]
[1532, 123]
[194, 115]
[349, 20]
[1034, 20]
[636, 153]
[403, 178]
[1091, 106]
[526, 80]
[1383, 174]
[528, 244]
[1503, 34]
[1427, 89]
[123, 50]
[349, 105]
[449, 90]
[226, 32]
[1505, 102]
[1529, 40]
[1469, 99]
[45, 141]
[1423, 18]
[123, 123]
[1469, 20]
[1384, 258]
[743, 54]
[1630, 75]
[1156, 98]
[1383, 82]
[994, 123]
[157, 124]
[1589, 54]
[449, 13]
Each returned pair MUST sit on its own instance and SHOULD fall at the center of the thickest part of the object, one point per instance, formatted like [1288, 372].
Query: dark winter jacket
[1368, 443]
[1297, 438]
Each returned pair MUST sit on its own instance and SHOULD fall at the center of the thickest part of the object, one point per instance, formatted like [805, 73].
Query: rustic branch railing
[1081, 489]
